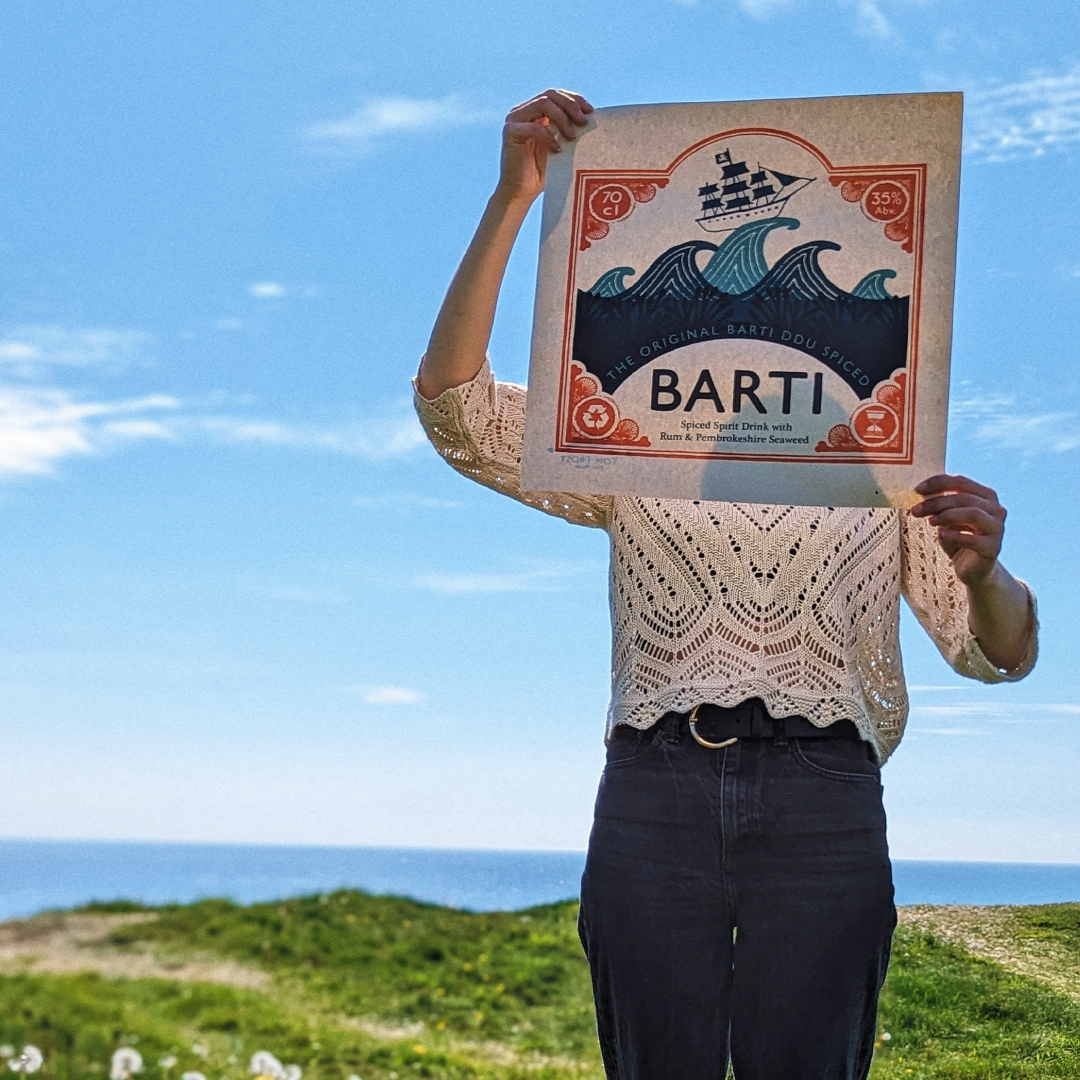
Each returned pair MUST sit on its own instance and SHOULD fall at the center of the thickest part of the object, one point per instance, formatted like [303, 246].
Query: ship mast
[742, 195]
[734, 185]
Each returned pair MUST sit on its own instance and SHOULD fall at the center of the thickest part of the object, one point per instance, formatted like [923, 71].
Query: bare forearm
[1000, 617]
[459, 340]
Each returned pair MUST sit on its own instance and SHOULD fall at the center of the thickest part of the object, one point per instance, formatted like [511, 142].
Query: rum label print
[748, 301]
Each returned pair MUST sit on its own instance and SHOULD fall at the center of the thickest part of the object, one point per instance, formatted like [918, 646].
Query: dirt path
[995, 933]
[67, 944]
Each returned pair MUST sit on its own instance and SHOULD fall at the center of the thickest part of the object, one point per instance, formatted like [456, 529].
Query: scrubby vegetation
[384, 989]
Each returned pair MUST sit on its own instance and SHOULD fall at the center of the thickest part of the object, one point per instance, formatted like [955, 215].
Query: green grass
[520, 977]
[78, 1021]
[1060, 922]
[501, 996]
[954, 1017]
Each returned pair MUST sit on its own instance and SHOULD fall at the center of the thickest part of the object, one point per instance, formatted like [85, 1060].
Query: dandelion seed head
[263, 1063]
[29, 1061]
[126, 1062]
[168, 1061]
[192, 1076]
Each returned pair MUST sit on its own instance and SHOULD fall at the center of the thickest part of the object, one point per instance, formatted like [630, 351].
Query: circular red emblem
[612, 202]
[874, 424]
[885, 200]
[593, 417]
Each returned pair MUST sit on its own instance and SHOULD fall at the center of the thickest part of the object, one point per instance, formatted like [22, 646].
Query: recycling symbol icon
[594, 417]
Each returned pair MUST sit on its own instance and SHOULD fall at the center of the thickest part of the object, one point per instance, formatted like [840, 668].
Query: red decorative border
[890, 398]
[888, 198]
[594, 416]
[911, 177]
[613, 199]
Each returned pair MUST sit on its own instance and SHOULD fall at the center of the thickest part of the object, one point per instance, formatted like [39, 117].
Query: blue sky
[242, 598]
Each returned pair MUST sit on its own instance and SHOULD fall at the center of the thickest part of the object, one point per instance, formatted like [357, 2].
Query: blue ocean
[40, 875]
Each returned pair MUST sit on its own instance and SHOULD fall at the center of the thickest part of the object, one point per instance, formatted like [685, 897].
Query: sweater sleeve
[478, 428]
[939, 600]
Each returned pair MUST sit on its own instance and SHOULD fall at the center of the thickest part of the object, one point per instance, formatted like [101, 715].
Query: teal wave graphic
[612, 283]
[739, 263]
[872, 287]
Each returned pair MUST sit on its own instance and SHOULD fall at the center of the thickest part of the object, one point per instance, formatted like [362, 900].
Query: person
[737, 899]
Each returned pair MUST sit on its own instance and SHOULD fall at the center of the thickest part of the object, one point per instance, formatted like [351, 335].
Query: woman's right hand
[529, 136]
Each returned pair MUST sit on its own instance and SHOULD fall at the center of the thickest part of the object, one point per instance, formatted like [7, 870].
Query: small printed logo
[885, 201]
[612, 202]
[593, 418]
[874, 424]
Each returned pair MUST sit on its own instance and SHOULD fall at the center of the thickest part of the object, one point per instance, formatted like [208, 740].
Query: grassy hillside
[349, 985]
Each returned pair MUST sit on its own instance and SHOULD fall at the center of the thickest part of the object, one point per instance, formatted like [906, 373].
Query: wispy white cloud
[927, 689]
[1004, 423]
[40, 427]
[385, 438]
[870, 17]
[541, 579]
[952, 731]
[1023, 119]
[380, 117]
[391, 695]
[266, 289]
[1010, 711]
[762, 9]
[958, 710]
[27, 351]
[42, 423]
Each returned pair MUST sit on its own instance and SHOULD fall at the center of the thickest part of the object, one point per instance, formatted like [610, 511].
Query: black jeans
[737, 903]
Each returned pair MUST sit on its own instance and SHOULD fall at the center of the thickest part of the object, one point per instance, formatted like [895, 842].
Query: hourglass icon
[874, 424]
[874, 430]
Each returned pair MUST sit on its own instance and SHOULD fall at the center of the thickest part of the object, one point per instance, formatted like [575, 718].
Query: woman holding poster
[737, 900]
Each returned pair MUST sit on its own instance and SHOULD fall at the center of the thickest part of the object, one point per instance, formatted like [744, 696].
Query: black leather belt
[714, 727]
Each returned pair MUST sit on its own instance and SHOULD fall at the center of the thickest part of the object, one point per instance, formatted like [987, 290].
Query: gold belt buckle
[699, 739]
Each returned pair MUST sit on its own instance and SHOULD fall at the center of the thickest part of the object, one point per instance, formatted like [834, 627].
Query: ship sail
[785, 180]
[743, 195]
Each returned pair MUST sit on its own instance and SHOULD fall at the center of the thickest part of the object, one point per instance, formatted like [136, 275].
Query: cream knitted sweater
[719, 602]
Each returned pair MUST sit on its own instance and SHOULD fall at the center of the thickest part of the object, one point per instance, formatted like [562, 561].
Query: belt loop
[671, 727]
[779, 735]
[759, 719]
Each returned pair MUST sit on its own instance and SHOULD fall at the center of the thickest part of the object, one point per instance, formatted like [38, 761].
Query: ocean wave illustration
[739, 263]
[861, 336]
[798, 273]
[675, 273]
[872, 287]
[613, 282]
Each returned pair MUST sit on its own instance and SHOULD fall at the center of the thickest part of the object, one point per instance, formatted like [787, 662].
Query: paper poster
[748, 301]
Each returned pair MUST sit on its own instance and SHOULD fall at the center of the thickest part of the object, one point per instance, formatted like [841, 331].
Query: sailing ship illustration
[743, 196]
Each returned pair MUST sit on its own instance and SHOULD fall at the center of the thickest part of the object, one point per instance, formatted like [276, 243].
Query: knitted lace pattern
[719, 602]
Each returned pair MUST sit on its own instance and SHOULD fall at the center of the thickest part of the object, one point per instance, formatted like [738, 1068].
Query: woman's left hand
[970, 523]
